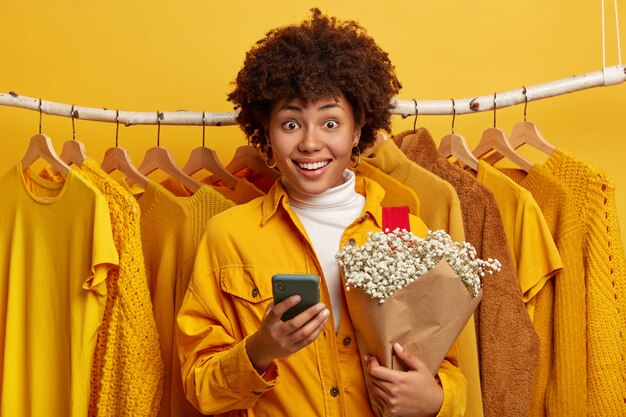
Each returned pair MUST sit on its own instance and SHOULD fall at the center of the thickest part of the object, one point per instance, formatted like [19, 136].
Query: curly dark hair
[315, 59]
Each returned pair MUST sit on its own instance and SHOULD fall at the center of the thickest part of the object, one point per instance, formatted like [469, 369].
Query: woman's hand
[276, 339]
[414, 393]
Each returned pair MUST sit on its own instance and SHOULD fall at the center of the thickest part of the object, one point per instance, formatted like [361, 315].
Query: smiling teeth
[313, 166]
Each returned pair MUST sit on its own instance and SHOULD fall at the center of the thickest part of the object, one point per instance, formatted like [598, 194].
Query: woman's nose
[310, 140]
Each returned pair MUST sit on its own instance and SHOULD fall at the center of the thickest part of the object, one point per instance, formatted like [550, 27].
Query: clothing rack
[607, 76]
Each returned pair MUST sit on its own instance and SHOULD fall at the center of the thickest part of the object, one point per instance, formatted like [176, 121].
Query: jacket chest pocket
[250, 291]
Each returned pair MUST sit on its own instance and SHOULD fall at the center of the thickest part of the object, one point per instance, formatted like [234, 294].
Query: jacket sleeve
[216, 370]
[454, 385]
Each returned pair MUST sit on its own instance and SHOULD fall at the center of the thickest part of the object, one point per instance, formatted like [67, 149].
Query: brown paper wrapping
[425, 318]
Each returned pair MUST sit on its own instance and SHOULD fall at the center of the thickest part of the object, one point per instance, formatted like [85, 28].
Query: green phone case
[305, 285]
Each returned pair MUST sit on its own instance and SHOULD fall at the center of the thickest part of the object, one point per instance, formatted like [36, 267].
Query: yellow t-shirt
[535, 254]
[56, 248]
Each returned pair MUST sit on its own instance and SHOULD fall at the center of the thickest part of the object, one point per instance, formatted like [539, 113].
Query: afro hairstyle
[318, 58]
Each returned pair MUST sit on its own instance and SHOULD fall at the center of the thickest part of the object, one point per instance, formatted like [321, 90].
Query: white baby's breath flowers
[390, 260]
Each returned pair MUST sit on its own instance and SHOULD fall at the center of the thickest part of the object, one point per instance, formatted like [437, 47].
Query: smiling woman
[311, 97]
[312, 142]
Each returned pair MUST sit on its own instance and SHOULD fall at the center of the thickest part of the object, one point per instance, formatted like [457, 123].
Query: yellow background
[170, 55]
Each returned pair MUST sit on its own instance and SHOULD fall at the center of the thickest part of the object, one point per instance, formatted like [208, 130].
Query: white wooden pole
[608, 76]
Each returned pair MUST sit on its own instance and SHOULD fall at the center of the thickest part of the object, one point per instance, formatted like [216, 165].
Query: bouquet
[419, 292]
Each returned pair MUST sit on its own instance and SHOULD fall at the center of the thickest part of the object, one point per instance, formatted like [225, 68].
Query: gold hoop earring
[358, 157]
[268, 149]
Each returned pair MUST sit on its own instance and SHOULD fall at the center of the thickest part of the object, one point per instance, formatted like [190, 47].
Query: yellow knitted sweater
[603, 257]
[127, 372]
[171, 228]
[560, 311]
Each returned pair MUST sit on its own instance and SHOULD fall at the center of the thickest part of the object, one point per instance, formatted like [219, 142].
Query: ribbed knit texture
[560, 309]
[171, 229]
[594, 194]
[127, 372]
[508, 343]
[440, 208]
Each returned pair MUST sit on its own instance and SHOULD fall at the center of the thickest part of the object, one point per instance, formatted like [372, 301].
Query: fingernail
[398, 347]
[366, 358]
[326, 313]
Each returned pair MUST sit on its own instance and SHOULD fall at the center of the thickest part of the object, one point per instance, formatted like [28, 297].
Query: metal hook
[416, 114]
[159, 128]
[453, 114]
[73, 127]
[117, 125]
[525, 101]
[40, 116]
[494, 109]
[203, 128]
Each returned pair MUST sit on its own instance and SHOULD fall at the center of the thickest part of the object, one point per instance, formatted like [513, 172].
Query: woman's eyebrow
[330, 106]
[293, 107]
[299, 109]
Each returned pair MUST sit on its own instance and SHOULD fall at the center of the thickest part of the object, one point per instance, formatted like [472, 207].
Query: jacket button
[334, 391]
[255, 292]
[347, 340]
[352, 241]
[364, 217]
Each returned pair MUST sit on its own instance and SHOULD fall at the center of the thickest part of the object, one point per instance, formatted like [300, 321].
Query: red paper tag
[396, 217]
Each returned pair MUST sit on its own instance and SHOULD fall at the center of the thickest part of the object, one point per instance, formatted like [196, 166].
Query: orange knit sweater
[560, 310]
[605, 270]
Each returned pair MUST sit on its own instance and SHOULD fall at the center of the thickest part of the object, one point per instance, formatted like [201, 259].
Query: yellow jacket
[227, 297]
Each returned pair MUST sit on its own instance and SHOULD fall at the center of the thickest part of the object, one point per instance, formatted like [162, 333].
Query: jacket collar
[373, 193]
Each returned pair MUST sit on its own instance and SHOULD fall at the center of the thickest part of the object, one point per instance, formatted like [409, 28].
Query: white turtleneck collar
[335, 197]
[325, 218]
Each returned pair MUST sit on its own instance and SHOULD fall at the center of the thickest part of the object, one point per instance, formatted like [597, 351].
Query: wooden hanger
[525, 132]
[40, 146]
[73, 151]
[455, 145]
[494, 139]
[160, 158]
[207, 159]
[119, 159]
[249, 156]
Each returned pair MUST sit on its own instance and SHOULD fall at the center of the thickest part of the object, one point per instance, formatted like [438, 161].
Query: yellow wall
[155, 55]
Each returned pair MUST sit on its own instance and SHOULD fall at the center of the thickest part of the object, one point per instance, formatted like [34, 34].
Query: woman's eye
[331, 124]
[290, 125]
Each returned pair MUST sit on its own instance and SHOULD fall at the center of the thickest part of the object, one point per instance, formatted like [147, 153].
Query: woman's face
[312, 142]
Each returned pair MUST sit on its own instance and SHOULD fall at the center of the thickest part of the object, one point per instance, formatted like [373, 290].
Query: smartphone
[305, 285]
